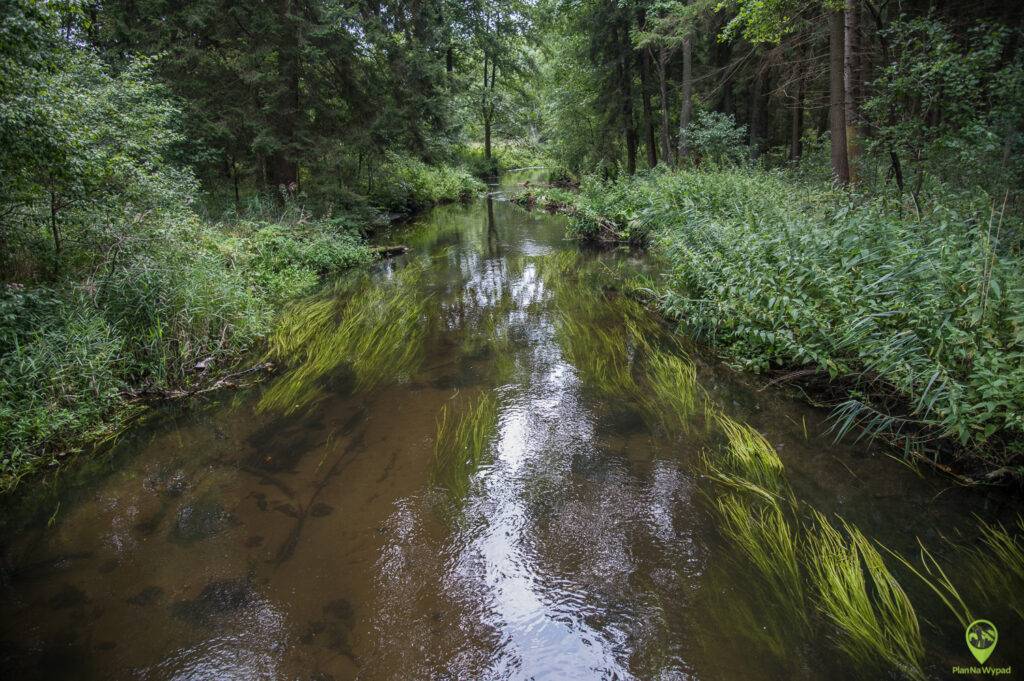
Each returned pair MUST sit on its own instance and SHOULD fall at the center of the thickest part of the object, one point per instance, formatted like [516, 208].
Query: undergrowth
[917, 319]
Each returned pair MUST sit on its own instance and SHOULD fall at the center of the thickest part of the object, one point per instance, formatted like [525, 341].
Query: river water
[312, 527]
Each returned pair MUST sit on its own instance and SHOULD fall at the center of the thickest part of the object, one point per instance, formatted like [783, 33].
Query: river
[567, 526]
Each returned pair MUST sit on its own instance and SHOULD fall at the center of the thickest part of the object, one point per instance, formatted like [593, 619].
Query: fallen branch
[227, 381]
[389, 251]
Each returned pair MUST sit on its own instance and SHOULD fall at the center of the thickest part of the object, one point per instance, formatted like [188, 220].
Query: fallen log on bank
[389, 251]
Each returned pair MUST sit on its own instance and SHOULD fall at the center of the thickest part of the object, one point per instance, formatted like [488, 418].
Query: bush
[61, 373]
[505, 155]
[716, 139]
[288, 260]
[405, 185]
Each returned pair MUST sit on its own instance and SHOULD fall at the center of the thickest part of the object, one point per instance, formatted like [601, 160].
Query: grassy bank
[916, 321]
[169, 304]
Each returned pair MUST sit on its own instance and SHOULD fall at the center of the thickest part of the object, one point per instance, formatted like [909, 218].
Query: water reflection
[598, 500]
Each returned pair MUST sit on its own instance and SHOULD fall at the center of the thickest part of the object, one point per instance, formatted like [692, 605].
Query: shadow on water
[485, 459]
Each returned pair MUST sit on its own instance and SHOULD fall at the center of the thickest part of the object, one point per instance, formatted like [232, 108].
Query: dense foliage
[921, 319]
[722, 132]
[121, 276]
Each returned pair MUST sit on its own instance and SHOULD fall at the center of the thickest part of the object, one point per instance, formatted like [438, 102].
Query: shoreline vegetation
[83, 354]
[909, 325]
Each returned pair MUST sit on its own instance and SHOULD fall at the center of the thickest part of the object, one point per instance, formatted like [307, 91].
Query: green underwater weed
[859, 594]
[748, 463]
[672, 391]
[998, 563]
[995, 562]
[463, 444]
[936, 579]
[379, 332]
[759, 529]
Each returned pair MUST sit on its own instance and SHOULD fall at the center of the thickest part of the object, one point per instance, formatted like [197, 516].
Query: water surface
[306, 529]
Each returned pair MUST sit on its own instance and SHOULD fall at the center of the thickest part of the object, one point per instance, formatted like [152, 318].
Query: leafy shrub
[288, 260]
[716, 139]
[406, 184]
[964, 127]
[121, 285]
[61, 373]
[505, 155]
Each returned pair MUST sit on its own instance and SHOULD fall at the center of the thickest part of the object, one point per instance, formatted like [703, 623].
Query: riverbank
[910, 327]
[173, 304]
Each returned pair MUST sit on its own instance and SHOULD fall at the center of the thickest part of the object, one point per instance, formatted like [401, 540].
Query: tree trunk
[649, 143]
[851, 82]
[282, 170]
[759, 111]
[837, 104]
[666, 142]
[796, 122]
[487, 137]
[488, 102]
[723, 64]
[626, 83]
[686, 105]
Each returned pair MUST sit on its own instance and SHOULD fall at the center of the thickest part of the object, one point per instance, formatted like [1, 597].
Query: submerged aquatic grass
[378, 332]
[748, 463]
[998, 563]
[462, 444]
[939, 582]
[765, 537]
[673, 394]
[614, 343]
[995, 563]
[858, 593]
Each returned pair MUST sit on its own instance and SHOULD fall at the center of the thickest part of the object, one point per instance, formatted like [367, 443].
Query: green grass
[997, 564]
[994, 562]
[505, 156]
[405, 185]
[377, 331]
[618, 348]
[183, 292]
[672, 394]
[841, 573]
[748, 463]
[759, 528]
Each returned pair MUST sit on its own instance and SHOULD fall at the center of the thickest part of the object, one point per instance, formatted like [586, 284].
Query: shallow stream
[567, 526]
